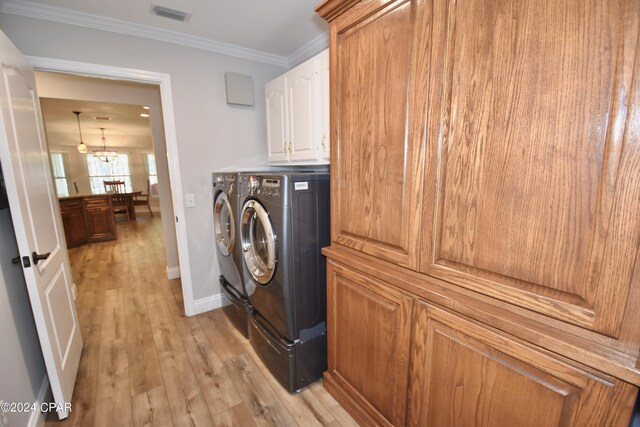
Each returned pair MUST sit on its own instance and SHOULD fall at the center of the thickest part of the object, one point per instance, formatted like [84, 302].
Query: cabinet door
[301, 84]
[378, 109]
[532, 188]
[75, 227]
[101, 223]
[465, 374]
[74, 224]
[276, 120]
[369, 330]
[324, 93]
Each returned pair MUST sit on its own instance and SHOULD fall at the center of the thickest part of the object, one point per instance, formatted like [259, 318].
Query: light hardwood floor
[144, 363]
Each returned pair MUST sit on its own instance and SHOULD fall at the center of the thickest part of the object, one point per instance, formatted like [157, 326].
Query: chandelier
[82, 148]
[105, 155]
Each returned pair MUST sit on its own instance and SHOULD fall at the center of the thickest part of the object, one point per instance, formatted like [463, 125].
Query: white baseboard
[173, 272]
[209, 303]
[37, 418]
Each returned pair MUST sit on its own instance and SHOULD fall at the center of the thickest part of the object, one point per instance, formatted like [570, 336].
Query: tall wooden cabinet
[485, 198]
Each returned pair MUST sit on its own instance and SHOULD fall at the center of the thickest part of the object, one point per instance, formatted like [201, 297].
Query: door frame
[166, 99]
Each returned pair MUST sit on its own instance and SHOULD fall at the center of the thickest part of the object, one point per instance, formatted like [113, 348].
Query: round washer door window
[258, 242]
[224, 225]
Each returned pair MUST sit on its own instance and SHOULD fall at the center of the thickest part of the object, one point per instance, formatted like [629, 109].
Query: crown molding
[81, 19]
[307, 51]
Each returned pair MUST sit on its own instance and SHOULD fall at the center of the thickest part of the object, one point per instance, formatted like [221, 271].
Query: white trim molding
[173, 272]
[312, 48]
[210, 303]
[87, 20]
[38, 418]
[166, 99]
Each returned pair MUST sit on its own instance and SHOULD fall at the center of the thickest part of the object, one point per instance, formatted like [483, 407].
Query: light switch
[190, 199]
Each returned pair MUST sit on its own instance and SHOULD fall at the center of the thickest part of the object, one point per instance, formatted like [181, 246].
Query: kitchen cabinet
[376, 163]
[277, 120]
[87, 219]
[101, 222]
[487, 165]
[297, 130]
[75, 226]
[465, 373]
[368, 333]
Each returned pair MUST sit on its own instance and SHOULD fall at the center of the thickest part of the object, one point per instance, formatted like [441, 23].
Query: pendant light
[105, 155]
[82, 148]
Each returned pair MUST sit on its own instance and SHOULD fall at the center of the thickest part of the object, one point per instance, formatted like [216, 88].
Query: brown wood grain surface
[375, 150]
[368, 334]
[532, 194]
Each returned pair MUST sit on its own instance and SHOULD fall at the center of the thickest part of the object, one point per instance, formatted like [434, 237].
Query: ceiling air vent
[165, 12]
[101, 118]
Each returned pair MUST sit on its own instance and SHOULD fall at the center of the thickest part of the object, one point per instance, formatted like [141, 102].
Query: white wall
[22, 370]
[211, 135]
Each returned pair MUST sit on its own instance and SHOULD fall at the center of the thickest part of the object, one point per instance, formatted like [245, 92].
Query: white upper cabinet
[324, 106]
[297, 105]
[276, 119]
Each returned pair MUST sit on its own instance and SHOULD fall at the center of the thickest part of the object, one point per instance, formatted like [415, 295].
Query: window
[58, 164]
[118, 170]
[152, 174]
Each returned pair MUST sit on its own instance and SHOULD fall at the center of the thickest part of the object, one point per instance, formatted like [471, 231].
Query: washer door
[224, 224]
[258, 242]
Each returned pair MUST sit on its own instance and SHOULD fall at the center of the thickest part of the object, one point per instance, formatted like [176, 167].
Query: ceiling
[278, 27]
[126, 128]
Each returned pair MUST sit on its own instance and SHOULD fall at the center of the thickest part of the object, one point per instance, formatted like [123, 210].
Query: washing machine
[226, 210]
[284, 223]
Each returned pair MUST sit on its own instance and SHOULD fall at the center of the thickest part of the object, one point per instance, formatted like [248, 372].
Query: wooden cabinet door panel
[532, 186]
[75, 227]
[368, 336]
[101, 224]
[464, 374]
[375, 130]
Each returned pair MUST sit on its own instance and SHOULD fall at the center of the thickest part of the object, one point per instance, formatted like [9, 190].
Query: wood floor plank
[237, 416]
[227, 341]
[113, 320]
[303, 406]
[144, 368]
[341, 416]
[113, 398]
[151, 409]
[187, 404]
[258, 396]
[214, 380]
[165, 334]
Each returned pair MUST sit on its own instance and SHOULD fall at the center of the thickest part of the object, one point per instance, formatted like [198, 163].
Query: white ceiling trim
[65, 16]
[305, 52]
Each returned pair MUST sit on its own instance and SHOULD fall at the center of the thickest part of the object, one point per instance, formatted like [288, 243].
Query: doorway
[163, 82]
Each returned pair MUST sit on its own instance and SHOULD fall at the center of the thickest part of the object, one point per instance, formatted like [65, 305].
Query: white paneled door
[36, 220]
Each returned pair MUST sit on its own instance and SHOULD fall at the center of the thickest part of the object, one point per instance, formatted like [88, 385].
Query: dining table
[129, 199]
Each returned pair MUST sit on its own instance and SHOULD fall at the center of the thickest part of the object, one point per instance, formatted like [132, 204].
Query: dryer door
[224, 224]
[258, 242]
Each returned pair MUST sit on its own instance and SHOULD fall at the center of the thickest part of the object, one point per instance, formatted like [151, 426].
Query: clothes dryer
[284, 223]
[226, 211]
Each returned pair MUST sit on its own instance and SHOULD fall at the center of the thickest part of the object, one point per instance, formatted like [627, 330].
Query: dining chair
[120, 204]
[114, 187]
[143, 199]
